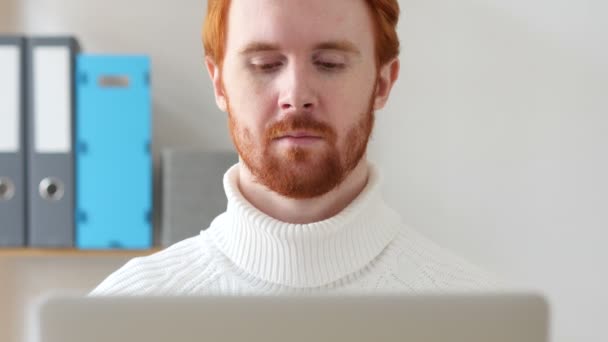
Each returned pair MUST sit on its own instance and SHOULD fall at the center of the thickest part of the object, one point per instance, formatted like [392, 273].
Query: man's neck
[303, 211]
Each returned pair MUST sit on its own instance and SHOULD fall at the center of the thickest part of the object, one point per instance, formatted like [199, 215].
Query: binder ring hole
[113, 81]
[7, 189]
[51, 189]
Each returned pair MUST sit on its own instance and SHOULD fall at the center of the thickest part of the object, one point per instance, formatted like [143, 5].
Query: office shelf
[69, 252]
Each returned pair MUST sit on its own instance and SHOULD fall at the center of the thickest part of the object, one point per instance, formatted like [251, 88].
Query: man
[300, 81]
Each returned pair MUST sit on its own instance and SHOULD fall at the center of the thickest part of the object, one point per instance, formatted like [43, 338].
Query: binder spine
[51, 104]
[12, 141]
[113, 157]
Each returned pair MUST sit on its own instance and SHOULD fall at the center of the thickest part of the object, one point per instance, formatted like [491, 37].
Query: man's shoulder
[438, 268]
[166, 271]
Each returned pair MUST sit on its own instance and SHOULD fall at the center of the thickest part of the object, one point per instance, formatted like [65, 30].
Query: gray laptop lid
[429, 318]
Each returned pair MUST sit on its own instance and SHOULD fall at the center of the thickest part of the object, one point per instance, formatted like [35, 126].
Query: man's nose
[297, 90]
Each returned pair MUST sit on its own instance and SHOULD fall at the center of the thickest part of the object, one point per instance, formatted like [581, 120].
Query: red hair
[385, 15]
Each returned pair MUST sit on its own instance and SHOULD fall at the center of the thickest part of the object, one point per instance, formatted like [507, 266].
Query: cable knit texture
[365, 247]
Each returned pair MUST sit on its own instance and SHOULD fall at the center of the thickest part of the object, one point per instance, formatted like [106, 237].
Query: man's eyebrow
[259, 47]
[340, 45]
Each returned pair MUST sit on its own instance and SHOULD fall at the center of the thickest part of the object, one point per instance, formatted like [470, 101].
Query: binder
[12, 141]
[50, 218]
[192, 191]
[113, 161]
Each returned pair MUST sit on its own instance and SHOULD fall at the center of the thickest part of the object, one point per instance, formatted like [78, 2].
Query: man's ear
[216, 79]
[387, 77]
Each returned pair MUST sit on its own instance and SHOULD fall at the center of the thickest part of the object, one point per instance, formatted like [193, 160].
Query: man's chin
[287, 146]
[301, 177]
[302, 159]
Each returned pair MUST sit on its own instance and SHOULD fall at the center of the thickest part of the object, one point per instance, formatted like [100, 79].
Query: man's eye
[267, 67]
[330, 66]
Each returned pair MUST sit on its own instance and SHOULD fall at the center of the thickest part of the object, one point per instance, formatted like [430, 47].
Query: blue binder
[113, 162]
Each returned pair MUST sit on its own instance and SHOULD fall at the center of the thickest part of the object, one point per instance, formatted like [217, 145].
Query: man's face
[298, 79]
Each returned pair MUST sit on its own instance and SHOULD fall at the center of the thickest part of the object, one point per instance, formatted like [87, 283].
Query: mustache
[300, 123]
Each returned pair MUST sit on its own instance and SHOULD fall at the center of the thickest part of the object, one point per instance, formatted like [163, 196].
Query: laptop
[389, 318]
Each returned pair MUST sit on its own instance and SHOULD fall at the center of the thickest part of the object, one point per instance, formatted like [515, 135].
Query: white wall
[494, 142]
[8, 16]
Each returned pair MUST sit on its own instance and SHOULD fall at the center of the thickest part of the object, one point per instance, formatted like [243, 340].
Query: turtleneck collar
[304, 255]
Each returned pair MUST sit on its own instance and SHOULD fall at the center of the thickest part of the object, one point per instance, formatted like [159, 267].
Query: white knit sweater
[365, 247]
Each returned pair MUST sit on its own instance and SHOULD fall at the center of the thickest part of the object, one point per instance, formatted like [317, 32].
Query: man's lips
[299, 135]
[299, 138]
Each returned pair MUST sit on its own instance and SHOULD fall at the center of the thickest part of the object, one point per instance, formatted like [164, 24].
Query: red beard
[302, 172]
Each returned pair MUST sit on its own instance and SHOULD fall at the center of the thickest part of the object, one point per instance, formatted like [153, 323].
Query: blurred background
[494, 142]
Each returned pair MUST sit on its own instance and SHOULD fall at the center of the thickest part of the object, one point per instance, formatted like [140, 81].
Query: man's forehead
[309, 6]
[314, 24]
